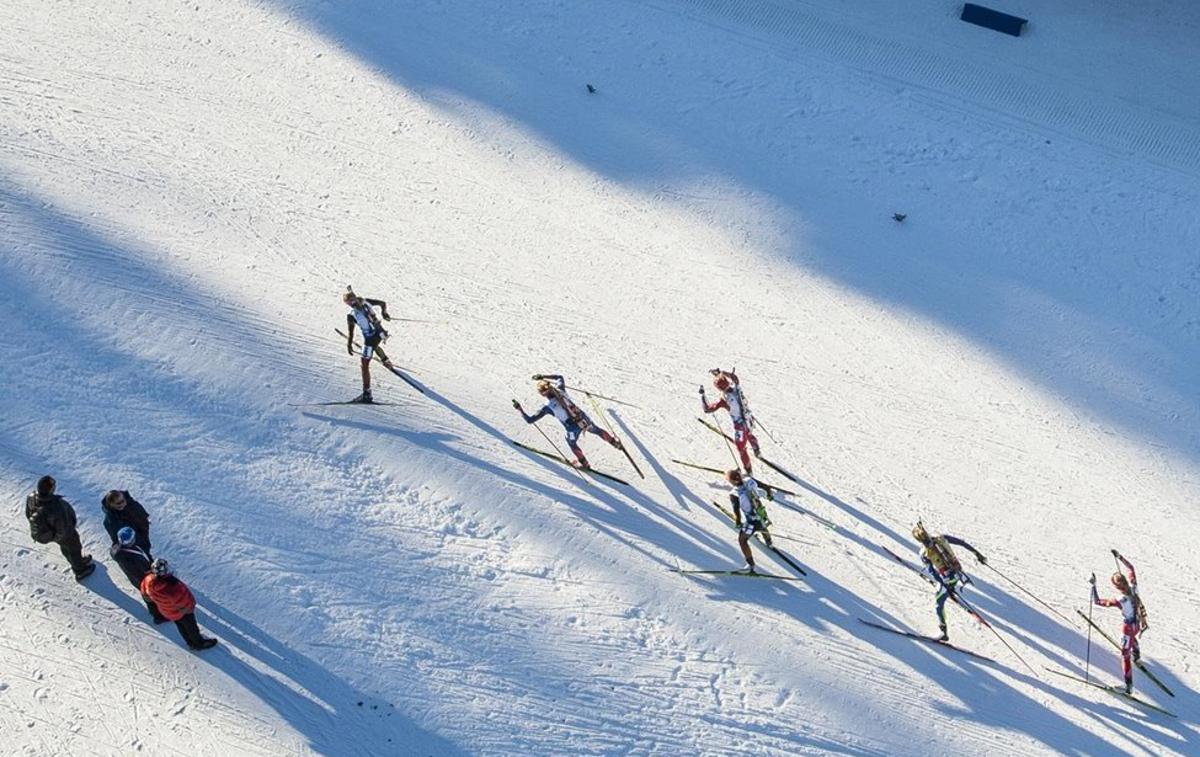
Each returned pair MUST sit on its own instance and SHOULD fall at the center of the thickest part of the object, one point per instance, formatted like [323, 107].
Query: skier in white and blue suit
[575, 421]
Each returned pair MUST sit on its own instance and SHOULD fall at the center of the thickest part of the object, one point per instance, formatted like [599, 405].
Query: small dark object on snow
[899, 217]
[591, 89]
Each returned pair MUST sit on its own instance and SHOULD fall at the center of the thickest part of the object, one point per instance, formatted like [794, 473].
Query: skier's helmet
[734, 477]
[160, 567]
[545, 388]
[920, 534]
[1120, 582]
[126, 536]
[721, 381]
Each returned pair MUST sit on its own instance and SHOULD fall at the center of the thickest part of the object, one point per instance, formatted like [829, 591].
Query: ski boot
[363, 399]
[945, 636]
[747, 568]
[205, 643]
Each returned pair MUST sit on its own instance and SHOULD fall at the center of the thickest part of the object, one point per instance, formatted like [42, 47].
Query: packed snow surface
[187, 187]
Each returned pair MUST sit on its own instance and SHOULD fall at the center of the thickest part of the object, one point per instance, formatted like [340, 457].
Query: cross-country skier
[1132, 611]
[943, 566]
[749, 513]
[575, 422]
[729, 386]
[362, 314]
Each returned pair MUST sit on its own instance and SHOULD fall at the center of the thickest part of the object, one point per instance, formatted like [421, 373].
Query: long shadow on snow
[327, 703]
[614, 490]
[528, 63]
[614, 521]
[973, 691]
[87, 357]
[677, 488]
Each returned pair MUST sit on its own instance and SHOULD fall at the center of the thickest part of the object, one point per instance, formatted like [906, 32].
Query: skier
[175, 601]
[363, 315]
[575, 422]
[135, 563]
[732, 400]
[943, 566]
[1133, 613]
[120, 510]
[52, 519]
[749, 513]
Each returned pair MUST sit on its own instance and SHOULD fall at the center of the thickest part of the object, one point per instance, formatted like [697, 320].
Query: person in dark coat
[135, 564]
[121, 510]
[175, 601]
[52, 519]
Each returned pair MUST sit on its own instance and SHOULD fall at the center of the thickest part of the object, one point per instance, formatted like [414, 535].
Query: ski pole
[613, 431]
[976, 614]
[1087, 665]
[1028, 592]
[602, 397]
[765, 430]
[736, 463]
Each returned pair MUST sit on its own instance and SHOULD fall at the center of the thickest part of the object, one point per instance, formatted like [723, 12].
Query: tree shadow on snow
[643, 126]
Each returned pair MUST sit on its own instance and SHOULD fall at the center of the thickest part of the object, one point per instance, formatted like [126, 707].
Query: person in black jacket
[52, 519]
[135, 563]
[121, 510]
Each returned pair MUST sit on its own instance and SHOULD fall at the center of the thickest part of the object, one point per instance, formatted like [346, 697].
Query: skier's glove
[715, 371]
[516, 404]
[385, 315]
[1116, 554]
[702, 390]
[1092, 579]
[538, 377]
[349, 348]
[982, 560]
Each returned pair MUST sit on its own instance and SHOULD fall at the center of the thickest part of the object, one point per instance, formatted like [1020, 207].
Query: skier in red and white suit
[1132, 613]
[732, 400]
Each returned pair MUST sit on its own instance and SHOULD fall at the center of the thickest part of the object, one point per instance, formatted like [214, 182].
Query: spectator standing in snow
[135, 563]
[122, 510]
[175, 601]
[52, 519]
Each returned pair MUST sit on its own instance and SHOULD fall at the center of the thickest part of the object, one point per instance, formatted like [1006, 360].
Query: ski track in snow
[184, 190]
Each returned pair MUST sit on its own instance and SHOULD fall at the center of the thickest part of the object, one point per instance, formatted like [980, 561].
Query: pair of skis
[746, 573]
[568, 463]
[560, 458]
[927, 639]
[1139, 663]
[1117, 691]
[958, 600]
[399, 373]
[393, 369]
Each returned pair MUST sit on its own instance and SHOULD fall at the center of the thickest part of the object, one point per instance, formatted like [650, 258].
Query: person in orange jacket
[174, 600]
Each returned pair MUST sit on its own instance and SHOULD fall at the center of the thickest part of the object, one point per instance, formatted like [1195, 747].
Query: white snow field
[187, 187]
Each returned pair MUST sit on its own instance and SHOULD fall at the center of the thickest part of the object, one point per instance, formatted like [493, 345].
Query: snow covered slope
[185, 188]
